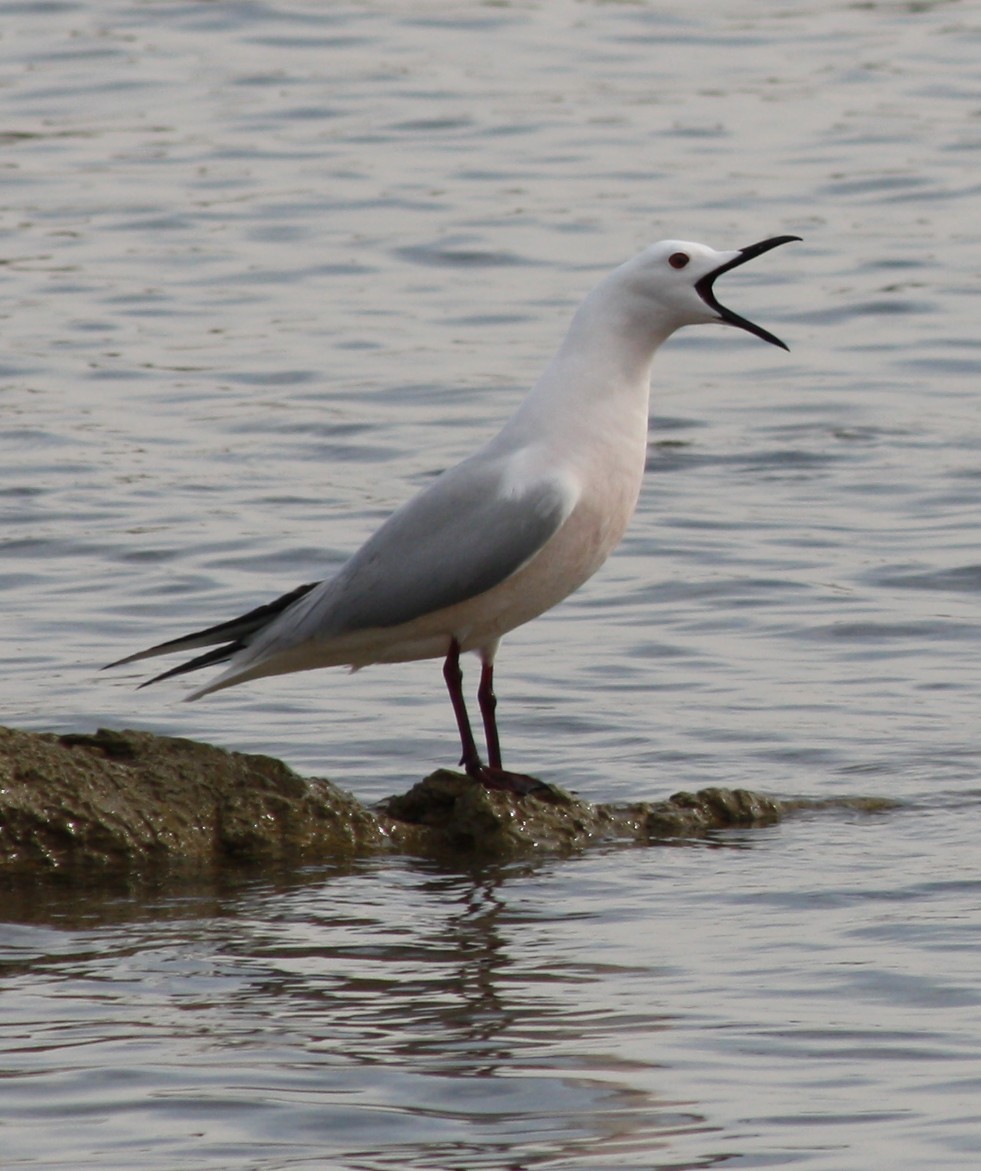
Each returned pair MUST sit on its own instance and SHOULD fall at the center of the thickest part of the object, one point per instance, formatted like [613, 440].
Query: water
[266, 269]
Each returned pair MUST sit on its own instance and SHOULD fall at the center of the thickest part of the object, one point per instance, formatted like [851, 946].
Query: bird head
[679, 278]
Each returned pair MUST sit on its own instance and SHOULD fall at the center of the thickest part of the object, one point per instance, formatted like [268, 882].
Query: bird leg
[488, 707]
[454, 685]
[491, 776]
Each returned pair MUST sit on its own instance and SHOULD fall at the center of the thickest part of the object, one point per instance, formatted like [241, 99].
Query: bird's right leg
[488, 707]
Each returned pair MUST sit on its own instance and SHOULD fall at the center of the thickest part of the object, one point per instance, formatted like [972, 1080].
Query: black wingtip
[219, 655]
[233, 635]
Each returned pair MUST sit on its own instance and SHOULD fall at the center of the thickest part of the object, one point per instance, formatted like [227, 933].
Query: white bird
[512, 530]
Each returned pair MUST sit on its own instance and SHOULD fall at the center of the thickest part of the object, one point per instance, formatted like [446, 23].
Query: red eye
[678, 259]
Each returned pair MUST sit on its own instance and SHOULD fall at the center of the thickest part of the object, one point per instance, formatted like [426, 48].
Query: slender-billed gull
[516, 527]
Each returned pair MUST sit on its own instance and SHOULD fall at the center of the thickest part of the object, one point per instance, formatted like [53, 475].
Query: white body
[518, 525]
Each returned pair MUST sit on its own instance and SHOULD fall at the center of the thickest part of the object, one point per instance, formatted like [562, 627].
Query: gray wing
[466, 533]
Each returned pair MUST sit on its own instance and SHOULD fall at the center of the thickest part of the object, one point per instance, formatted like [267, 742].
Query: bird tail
[232, 635]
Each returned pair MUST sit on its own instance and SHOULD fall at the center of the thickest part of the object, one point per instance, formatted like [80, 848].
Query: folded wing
[474, 527]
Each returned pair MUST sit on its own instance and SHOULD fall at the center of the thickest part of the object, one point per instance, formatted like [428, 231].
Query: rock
[451, 815]
[448, 814]
[131, 801]
[123, 800]
[687, 815]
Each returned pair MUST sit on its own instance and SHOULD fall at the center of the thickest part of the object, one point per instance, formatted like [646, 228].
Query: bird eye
[678, 259]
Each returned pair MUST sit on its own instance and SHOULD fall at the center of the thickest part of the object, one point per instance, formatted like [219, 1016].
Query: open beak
[706, 292]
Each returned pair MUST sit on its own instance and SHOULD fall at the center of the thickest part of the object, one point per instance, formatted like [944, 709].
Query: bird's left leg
[488, 707]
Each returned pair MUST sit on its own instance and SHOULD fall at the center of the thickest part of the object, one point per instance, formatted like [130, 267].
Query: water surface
[270, 267]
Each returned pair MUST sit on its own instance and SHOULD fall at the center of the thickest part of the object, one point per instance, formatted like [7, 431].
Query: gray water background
[266, 269]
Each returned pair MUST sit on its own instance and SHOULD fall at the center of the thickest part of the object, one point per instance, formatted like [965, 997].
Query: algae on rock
[129, 801]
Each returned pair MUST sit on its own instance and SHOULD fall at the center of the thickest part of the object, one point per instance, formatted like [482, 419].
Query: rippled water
[266, 269]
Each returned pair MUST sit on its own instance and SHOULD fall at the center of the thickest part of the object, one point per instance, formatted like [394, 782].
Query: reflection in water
[424, 998]
[632, 1008]
[382, 990]
[447, 993]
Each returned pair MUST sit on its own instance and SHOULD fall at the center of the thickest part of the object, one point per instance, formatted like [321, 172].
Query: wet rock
[122, 800]
[128, 801]
[689, 815]
[450, 814]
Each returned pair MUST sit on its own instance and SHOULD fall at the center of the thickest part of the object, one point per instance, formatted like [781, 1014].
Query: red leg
[491, 776]
[488, 707]
[454, 685]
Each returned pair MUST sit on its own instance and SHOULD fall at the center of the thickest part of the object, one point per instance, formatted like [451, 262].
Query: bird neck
[602, 369]
[595, 392]
[618, 326]
[581, 406]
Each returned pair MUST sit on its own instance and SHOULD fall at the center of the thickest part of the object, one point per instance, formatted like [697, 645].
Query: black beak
[705, 291]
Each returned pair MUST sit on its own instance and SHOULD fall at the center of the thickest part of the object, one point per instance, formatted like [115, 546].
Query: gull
[512, 530]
